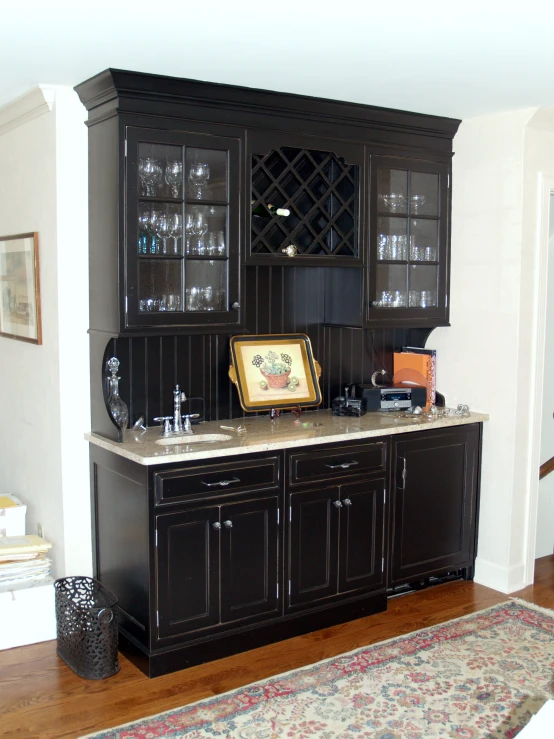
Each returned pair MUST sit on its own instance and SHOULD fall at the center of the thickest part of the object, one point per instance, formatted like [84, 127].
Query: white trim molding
[33, 104]
[504, 579]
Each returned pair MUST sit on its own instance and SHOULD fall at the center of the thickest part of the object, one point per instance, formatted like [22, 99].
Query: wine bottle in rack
[266, 211]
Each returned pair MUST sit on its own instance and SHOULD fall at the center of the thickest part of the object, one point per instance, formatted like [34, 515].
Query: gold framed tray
[275, 371]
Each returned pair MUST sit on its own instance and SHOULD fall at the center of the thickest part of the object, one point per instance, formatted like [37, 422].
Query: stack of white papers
[23, 558]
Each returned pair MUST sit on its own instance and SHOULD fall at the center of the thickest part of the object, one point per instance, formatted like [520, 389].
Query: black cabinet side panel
[122, 539]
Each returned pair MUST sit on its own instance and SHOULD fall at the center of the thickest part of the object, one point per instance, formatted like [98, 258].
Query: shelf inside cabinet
[160, 256]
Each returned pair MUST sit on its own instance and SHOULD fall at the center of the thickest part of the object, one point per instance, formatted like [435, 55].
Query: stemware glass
[417, 201]
[173, 176]
[220, 241]
[198, 177]
[155, 229]
[164, 230]
[150, 172]
[175, 230]
[144, 230]
[211, 249]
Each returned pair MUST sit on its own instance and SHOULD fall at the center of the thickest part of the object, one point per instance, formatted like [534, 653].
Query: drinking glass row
[414, 299]
[395, 248]
[170, 302]
[205, 298]
[154, 172]
[161, 230]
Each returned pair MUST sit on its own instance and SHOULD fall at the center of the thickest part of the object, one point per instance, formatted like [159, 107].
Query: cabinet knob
[228, 524]
[347, 501]
[235, 305]
[216, 525]
[290, 250]
[337, 504]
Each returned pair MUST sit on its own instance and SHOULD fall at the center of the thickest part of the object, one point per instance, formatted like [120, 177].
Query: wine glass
[175, 230]
[220, 241]
[155, 229]
[200, 222]
[164, 230]
[144, 232]
[173, 176]
[189, 233]
[198, 177]
[150, 172]
[417, 201]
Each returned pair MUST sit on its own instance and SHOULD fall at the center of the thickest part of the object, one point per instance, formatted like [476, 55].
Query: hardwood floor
[41, 698]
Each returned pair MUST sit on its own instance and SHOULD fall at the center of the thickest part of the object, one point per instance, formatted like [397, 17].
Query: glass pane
[392, 239]
[206, 171]
[424, 241]
[393, 191]
[422, 289]
[392, 286]
[206, 285]
[160, 228]
[424, 194]
[160, 170]
[206, 230]
[160, 285]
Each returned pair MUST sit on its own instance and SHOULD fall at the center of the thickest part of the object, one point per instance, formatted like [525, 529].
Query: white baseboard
[504, 579]
[27, 615]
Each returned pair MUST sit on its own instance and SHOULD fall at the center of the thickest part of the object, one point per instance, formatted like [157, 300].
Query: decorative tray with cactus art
[275, 371]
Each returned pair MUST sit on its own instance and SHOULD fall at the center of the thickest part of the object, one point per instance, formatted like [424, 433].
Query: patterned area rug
[478, 677]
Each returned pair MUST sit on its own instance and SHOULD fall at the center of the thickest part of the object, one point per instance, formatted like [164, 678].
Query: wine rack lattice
[321, 192]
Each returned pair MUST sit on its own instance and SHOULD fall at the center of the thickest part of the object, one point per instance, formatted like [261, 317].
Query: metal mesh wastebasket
[86, 627]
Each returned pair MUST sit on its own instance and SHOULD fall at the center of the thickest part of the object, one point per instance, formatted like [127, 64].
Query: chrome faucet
[178, 398]
[178, 424]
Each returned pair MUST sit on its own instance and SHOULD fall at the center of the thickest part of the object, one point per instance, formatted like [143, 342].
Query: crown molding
[25, 108]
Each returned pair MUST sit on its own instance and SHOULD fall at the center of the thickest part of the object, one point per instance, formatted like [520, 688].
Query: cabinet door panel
[361, 535]
[434, 502]
[249, 558]
[314, 522]
[188, 571]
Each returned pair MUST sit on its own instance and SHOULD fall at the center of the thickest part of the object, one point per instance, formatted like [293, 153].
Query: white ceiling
[460, 59]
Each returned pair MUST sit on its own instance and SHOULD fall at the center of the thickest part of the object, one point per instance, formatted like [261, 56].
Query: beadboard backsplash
[278, 300]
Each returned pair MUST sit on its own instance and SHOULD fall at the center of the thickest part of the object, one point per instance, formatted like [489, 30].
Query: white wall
[545, 517]
[487, 358]
[44, 389]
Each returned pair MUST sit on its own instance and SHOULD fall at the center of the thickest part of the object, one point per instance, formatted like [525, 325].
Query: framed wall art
[275, 371]
[20, 288]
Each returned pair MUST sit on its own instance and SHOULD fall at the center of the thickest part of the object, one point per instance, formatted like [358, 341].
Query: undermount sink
[194, 439]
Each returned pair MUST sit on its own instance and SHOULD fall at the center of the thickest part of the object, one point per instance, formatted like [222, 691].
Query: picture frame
[275, 371]
[20, 315]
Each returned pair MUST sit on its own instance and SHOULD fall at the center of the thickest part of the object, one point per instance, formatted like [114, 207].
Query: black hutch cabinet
[190, 182]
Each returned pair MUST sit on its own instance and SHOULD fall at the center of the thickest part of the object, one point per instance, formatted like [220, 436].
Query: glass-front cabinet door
[408, 275]
[182, 231]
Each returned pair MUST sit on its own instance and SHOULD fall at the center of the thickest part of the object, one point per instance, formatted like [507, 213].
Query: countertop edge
[265, 446]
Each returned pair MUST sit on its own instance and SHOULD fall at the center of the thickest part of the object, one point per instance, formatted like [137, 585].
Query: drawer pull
[342, 466]
[216, 525]
[228, 524]
[337, 504]
[221, 483]
[347, 501]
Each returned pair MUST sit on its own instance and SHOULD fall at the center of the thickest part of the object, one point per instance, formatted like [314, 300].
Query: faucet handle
[166, 421]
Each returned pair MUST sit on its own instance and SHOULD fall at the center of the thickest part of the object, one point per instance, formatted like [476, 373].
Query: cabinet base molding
[156, 663]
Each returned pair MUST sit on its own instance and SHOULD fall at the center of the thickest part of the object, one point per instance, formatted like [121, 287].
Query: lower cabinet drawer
[194, 481]
[335, 462]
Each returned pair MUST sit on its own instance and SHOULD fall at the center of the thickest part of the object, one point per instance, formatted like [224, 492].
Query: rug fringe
[533, 606]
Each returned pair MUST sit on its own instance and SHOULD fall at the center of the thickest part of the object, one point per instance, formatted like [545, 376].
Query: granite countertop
[314, 427]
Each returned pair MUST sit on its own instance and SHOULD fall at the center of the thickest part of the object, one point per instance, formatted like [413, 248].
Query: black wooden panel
[313, 545]
[201, 479]
[249, 558]
[277, 300]
[188, 571]
[433, 512]
[361, 549]
[341, 461]
[121, 526]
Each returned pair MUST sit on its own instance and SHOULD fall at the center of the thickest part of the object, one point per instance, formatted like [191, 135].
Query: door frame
[545, 190]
